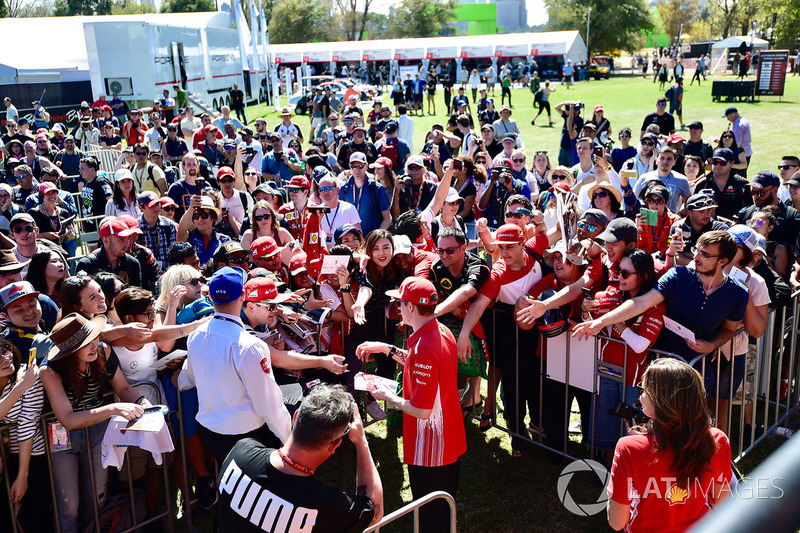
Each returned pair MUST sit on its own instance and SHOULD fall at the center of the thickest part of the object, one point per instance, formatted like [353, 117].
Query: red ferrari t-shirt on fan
[645, 480]
[508, 285]
[429, 382]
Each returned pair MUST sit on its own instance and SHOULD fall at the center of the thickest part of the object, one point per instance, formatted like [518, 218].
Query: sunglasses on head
[591, 228]
[259, 218]
[327, 188]
[205, 215]
[19, 229]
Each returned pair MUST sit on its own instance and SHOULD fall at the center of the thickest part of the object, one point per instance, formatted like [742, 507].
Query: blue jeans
[73, 485]
[472, 232]
[608, 426]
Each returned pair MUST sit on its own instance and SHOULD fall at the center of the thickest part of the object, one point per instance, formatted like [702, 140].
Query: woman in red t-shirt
[636, 275]
[668, 474]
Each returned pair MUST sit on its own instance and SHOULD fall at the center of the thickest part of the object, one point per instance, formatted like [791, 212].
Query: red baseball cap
[115, 226]
[46, 187]
[508, 234]
[210, 127]
[298, 181]
[298, 264]
[264, 247]
[131, 222]
[167, 201]
[225, 171]
[382, 162]
[562, 187]
[263, 290]
[416, 290]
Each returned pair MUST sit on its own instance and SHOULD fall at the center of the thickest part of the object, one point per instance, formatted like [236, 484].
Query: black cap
[620, 229]
[696, 124]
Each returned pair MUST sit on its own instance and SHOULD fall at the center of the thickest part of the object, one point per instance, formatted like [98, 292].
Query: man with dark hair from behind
[254, 477]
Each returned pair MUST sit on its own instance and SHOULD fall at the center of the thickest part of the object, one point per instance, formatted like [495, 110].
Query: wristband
[345, 289]
[139, 399]
[392, 351]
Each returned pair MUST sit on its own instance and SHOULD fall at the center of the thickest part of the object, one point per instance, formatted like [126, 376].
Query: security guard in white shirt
[232, 371]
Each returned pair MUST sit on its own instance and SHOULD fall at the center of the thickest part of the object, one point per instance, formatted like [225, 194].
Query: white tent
[720, 50]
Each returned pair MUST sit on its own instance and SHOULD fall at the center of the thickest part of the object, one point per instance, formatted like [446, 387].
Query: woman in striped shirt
[76, 374]
[21, 402]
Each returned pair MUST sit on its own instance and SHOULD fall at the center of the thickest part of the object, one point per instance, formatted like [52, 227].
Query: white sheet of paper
[581, 361]
[679, 330]
[738, 274]
[370, 382]
[331, 262]
[161, 364]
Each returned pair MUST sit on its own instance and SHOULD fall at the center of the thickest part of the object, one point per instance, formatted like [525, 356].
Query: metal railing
[414, 507]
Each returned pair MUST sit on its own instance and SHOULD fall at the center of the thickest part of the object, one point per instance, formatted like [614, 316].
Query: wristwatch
[346, 288]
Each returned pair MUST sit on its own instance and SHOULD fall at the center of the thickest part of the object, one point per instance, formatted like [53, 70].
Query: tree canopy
[299, 21]
[423, 18]
[187, 6]
[614, 24]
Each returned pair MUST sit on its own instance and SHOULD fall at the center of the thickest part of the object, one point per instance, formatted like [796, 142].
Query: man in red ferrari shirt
[295, 213]
[433, 429]
[511, 278]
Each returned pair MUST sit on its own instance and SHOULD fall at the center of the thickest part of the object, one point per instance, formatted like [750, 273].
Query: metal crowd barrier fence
[763, 404]
[414, 507]
[136, 521]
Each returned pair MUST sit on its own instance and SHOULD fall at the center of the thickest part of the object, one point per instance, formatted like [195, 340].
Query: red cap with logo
[416, 290]
[131, 222]
[508, 234]
[264, 247]
[298, 264]
[225, 171]
[299, 182]
[46, 187]
[115, 226]
[263, 290]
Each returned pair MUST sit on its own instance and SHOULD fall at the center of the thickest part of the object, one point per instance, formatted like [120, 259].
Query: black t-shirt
[786, 225]
[666, 122]
[734, 198]
[110, 140]
[701, 149]
[176, 148]
[417, 197]
[690, 236]
[45, 222]
[350, 147]
[475, 274]
[95, 195]
[128, 269]
[254, 496]
[237, 98]
[494, 148]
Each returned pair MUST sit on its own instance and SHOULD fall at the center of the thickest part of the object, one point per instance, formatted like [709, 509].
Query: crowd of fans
[472, 252]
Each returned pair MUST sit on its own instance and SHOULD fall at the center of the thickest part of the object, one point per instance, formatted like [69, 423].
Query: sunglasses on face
[758, 193]
[655, 201]
[727, 136]
[414, 168]
[599, 194]
[194, 282]
[168, 208]
[327, 188]
[22, 176]
[356, 166]
[517, 160]
[559, 177]
[785, 167]
[226, 180]
[293, 190]
[757, 223]
[648, 143]
[719, 163]
[518, 216]
[591, 228]
[237, 260]
[661, 104]
[259, 218]
[251, 173]
[205, 215]
[448, 251]
[625, 136]
[142, 154]
[480, 161]
[347, 122]
[20, 229]
[624, 274]
[269, 307]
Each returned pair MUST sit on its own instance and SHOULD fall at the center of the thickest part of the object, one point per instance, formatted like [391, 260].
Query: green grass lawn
[627, 100]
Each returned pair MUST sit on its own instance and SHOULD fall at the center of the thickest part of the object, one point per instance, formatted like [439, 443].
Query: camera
[200, 184]
[407, 181]
[629, 412]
